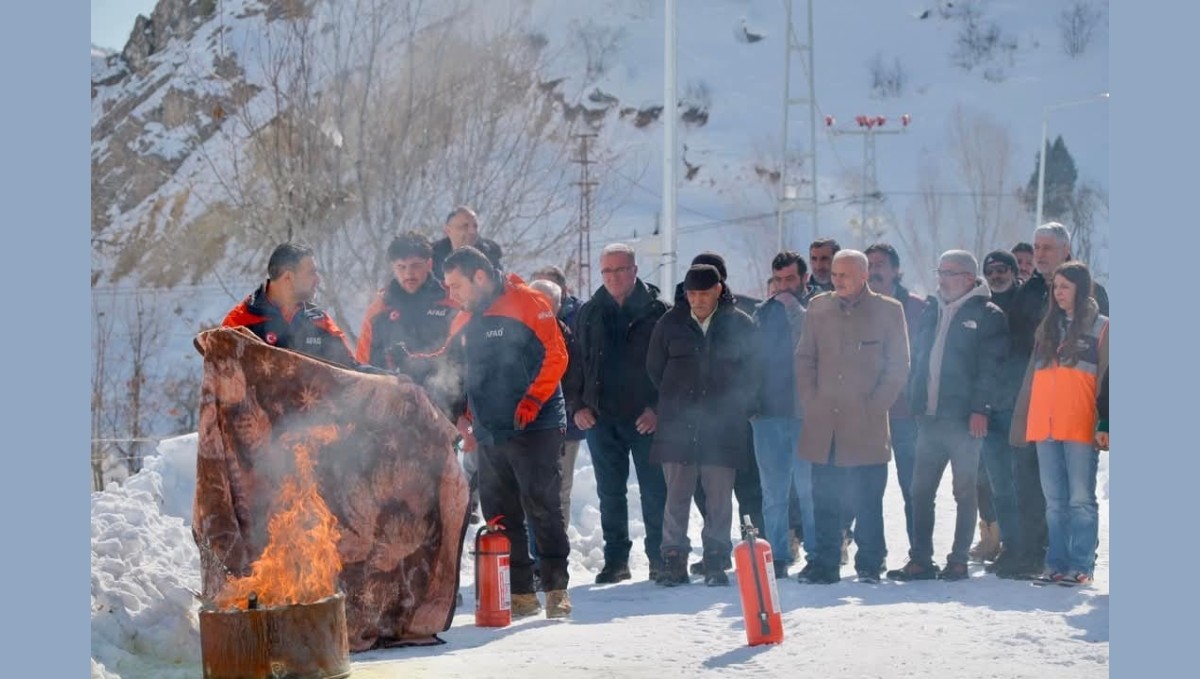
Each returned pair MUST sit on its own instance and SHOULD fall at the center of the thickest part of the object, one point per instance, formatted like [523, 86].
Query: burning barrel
[293, 641]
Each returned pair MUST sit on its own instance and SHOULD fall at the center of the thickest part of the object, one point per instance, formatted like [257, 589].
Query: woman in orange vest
[1070, 358]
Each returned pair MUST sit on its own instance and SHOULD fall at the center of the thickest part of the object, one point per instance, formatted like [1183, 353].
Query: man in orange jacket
[281, 311]
[513, 351]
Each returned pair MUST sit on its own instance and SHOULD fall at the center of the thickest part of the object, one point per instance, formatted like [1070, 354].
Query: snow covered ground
[145, 624]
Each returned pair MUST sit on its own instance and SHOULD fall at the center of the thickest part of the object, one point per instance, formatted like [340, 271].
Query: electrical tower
[869, 197]
[585, 184]
[792, 198]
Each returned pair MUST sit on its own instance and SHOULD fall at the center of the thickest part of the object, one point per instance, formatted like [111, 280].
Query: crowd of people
[794, 405]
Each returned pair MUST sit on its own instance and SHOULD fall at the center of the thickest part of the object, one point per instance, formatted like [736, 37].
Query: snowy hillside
[608, 55]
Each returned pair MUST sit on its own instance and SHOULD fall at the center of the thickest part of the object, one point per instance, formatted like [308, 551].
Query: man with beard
[1023, 252]
[410, 317]
[514, 355]
[884, 279]
[999, 458]
[778, 418]
[820, 260]
[281, 311]
[958, 353]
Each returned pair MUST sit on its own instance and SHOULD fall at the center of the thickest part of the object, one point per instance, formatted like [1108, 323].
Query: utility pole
[789, 200]
[585, 184]
[870, 197]
[670, 117]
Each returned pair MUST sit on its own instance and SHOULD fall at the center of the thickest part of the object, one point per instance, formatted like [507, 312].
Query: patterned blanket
[384, 463]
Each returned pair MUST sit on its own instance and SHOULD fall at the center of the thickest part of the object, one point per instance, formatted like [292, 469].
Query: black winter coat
[707, 388]
[310, 331]
[442, 249]
[586, 377]
[1014, 365]
[976, 347]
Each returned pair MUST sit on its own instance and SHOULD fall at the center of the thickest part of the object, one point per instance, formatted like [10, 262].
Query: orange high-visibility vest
[1062, 399]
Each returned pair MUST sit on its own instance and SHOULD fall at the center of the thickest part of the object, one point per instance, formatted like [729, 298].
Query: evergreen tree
[1061, 176]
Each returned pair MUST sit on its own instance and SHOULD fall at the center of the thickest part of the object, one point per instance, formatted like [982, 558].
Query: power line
[658, 195]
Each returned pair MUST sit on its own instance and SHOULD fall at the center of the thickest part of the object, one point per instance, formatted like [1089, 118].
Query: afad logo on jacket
[272, 338]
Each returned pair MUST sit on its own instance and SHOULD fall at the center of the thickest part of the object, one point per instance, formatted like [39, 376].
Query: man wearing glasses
[611, 398]
[1002, 270]
[958, 353]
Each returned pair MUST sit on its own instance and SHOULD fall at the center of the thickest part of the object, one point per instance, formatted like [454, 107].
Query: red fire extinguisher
[756, 583]
[493, 600]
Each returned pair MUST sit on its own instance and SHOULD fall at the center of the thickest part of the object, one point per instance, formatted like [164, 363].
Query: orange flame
[301, 562]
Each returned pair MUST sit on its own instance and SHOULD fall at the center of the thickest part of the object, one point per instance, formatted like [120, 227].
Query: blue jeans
[1068, 471]
[999, 459]
[863, 486]
[611, 445]
[904, 449]
[780, 469]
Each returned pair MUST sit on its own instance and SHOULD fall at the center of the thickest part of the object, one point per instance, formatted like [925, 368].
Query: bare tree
[127, 342]
[923, 232]
[982, 153]
[1087, 202]
[180, 394]
[143, 343]
[979, 212]
[1077, 24]
[353, 140]
[102, 326]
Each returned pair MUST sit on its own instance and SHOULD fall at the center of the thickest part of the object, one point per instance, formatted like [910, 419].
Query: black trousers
[1031, 503]
[520, 479]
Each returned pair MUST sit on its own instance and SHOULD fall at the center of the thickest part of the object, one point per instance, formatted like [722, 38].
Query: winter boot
[714, 573]
[525, 605]
[988, 547]
[675, 569]
[558, 604]
[611, 573]
[954, 571]
[656, 567]
[812, 574]
[699, 568]
[1004, 561]
[914, 570]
